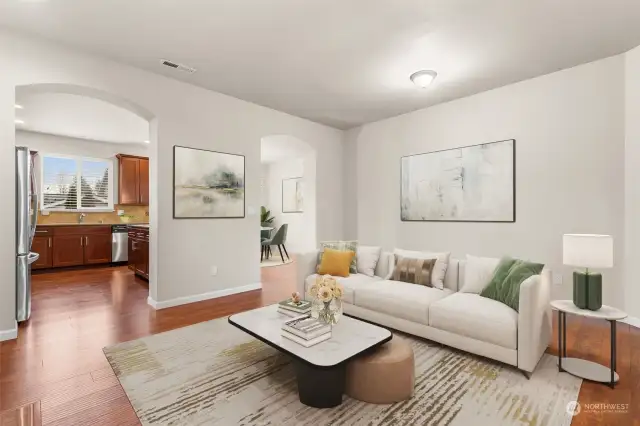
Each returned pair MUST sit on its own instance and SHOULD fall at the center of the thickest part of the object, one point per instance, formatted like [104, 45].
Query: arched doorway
[75, 133]
[288, 189]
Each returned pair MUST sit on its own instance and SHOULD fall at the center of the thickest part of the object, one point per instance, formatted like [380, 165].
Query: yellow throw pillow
[336, 262]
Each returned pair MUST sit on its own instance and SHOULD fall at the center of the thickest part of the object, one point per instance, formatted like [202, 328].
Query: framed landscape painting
[468, 184]
[292, 195]
[207, 184]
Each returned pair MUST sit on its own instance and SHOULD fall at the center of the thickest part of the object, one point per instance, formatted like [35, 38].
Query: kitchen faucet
[81, 217]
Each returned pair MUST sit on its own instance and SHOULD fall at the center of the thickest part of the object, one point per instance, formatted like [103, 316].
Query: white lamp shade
[587, 250]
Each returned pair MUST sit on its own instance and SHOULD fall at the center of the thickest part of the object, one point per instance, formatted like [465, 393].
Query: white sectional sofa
[465, 321]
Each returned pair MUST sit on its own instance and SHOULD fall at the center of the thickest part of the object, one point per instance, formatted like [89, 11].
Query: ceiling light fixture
[18, 121]
[16, 106]
[423, 78]
[146, 141]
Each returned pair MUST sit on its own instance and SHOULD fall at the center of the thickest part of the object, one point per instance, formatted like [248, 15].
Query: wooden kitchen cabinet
[76, 245]
[97, 249]
[142, 259]
[43, 245]
[133, 180]
[139, 251]
[68, 250]
[131, 262]
[143, 187]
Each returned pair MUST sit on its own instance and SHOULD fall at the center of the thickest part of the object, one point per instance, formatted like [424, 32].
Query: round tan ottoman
[384, 376]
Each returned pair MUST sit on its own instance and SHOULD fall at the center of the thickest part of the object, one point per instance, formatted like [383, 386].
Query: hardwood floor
[56, 373]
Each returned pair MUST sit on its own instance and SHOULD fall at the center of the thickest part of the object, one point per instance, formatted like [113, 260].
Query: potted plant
[266, 219]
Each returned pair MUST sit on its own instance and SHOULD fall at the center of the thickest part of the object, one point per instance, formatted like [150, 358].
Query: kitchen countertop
[91, 224]
[139, 225]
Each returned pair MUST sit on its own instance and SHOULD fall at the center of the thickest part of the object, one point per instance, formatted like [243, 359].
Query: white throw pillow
[368, 257]
[439, 269]
[478, 272]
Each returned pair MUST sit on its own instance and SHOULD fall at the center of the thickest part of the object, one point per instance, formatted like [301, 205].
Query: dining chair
[279, 239]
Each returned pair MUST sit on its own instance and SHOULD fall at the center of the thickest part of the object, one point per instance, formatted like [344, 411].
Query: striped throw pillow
[413, 271]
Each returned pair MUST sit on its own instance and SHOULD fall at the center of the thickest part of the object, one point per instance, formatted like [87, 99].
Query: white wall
[264, 184]
[80, 117]
[350, 193]
[300, 236]
[182, 251]
[569, 128]
[632, 181]
[52, 144]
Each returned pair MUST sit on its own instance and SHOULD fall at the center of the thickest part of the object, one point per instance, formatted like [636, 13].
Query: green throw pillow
[510, 273]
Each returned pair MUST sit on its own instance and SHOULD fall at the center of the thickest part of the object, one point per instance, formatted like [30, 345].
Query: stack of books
[294, 309]
[306, 331]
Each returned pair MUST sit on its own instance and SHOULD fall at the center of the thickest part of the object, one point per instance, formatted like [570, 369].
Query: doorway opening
[288, 199]
[88, 152]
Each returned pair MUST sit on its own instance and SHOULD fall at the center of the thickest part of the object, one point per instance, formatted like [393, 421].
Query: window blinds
[76, 183]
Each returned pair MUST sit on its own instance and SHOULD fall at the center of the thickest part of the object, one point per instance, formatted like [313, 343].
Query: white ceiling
[339, 62]
[79, 117]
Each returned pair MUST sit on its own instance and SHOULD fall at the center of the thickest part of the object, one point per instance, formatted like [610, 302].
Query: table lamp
[587, 251]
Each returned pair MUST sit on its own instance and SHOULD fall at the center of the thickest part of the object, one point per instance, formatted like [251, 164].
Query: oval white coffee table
[580, 367]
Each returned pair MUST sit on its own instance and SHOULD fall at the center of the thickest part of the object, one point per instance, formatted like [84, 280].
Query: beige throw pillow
[413, 271]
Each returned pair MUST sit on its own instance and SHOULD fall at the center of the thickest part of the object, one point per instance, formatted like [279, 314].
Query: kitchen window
[76, 183]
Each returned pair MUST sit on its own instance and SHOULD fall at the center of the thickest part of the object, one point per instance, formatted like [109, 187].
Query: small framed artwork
[292, 195]
[207, 184]
[468, 184]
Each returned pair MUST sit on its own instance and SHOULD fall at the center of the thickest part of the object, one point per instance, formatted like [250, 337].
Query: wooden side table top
[605, 312]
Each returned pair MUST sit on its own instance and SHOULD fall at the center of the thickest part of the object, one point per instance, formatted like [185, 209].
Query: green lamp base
[587, 290]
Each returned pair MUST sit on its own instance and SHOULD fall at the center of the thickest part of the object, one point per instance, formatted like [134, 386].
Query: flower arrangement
[329, 292]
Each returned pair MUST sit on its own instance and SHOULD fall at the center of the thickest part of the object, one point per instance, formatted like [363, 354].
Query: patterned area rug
[214, 374]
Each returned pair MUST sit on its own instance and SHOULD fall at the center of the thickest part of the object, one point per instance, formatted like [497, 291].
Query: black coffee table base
[320, 387]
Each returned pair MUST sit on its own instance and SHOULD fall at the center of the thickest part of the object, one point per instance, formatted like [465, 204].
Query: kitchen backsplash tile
[140, 214]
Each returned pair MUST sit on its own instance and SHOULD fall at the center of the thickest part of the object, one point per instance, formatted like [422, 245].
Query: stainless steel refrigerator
[26, 218]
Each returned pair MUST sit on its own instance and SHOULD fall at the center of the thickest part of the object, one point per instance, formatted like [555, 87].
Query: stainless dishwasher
[119, 243]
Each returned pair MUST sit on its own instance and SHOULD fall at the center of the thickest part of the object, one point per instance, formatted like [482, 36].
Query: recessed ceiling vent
[177, 66]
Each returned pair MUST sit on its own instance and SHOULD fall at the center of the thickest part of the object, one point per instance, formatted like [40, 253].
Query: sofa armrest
[534, 320]
[306, 264]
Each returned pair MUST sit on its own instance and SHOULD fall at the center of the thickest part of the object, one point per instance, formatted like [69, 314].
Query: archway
[288, 184]
[88, 152]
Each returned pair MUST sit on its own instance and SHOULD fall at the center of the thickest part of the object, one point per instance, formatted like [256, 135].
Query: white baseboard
[200, 297]
[9, 334]
[632, 321]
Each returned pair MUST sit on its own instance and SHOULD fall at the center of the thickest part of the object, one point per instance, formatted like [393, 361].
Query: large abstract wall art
[468, 184]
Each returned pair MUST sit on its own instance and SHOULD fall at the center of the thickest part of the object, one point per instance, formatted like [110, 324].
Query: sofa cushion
[506, 288]
[477, 317]
[349, 284]
[478, 273]
[413, 271]
[368, 257]
[335, 262]
[343, 246]
[401, 300]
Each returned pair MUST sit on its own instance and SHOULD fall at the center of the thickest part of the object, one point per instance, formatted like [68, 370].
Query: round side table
[580, 367]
